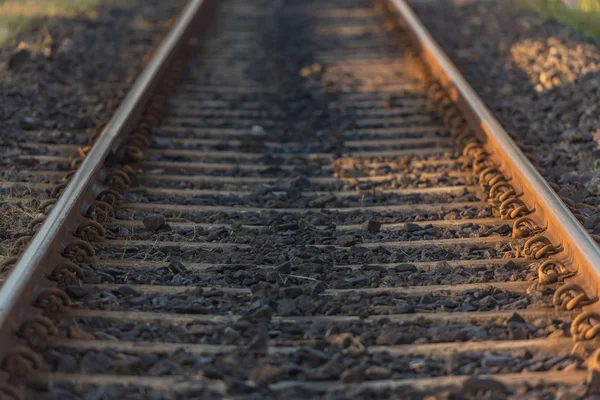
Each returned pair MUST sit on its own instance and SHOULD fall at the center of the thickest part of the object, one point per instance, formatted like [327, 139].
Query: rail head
[29, 277]
[565, 232]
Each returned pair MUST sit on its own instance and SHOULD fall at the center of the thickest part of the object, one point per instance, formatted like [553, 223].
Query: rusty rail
[522, 194]
[546, 210]
[28, 289]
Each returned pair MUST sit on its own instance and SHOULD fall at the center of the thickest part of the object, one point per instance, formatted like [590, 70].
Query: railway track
[303, 200]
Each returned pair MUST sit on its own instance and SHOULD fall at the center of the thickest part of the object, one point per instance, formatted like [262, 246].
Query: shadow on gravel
[539, 78]
[65, 77]
[53, 66]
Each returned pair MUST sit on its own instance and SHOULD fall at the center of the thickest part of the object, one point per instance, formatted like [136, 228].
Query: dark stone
[405, 268]
[306, 304]
[126, 290]
[291, 291]
[18, 58]
[212, 293]
[410, 227]
[346, 241]
[377, 373]
[304, 224]
[267, 373]
[164, 367]
[476, 385]
[312, 356]
[77, 333]
[67, 363]
[404, 307]
[287, 307]
[77, 292]
[516, 317]
[393, 336]
[259, 344]
[147, 360]
[576, 135]
[212, 373]
[264, 312]
[93, 362]
[511, 266]
[177, 267]
[353, 375]
[371, 226]
[317, 288]
[322, 201]
[284, 268]
[378, 268]
[231, 335]
[154, 222]
[236, 387]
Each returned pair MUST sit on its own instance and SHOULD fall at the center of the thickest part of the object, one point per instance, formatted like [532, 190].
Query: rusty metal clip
[79, 251]
[150, 118]
[134, 152]
[538, 247]
[501, 191]
[10, 392]
[37, 331]
[75, 162]
[552, 271]
[473, 149]
[100, 211]
[570, 296]
[21, 243]
[139, 140]
[585, 326]
[35, 223]
[109, 196]
[490, 176]
[20, 362]
[7, 263]
[463, 137]
[53, 301]
[525, 227]
[58, 189]
[512, 208]
[481, 162]
[91, 231]
[118, 180]
[45, 206]
[67, 273]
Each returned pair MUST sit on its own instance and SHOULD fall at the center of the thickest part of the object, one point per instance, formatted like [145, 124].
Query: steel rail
[29, 276]
[578, 248]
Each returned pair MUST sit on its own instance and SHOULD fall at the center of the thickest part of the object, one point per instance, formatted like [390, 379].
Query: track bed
[303, 222]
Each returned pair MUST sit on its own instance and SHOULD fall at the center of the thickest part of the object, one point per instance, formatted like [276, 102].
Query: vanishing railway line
[303, 200]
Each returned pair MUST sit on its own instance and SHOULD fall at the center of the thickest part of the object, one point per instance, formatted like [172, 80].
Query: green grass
[17, 16]
[585, 16]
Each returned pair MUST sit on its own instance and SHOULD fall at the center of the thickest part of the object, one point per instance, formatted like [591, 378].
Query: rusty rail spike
[564, 238]
[495, 158]
[512, 204]
[29, 290]
[552, 271]
[53, 301]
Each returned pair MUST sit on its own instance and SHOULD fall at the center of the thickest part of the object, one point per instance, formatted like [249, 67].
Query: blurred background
[583, 15]
[17, 16]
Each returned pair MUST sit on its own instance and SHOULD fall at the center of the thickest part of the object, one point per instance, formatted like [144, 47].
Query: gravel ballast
[60, 85]
[541, 81]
